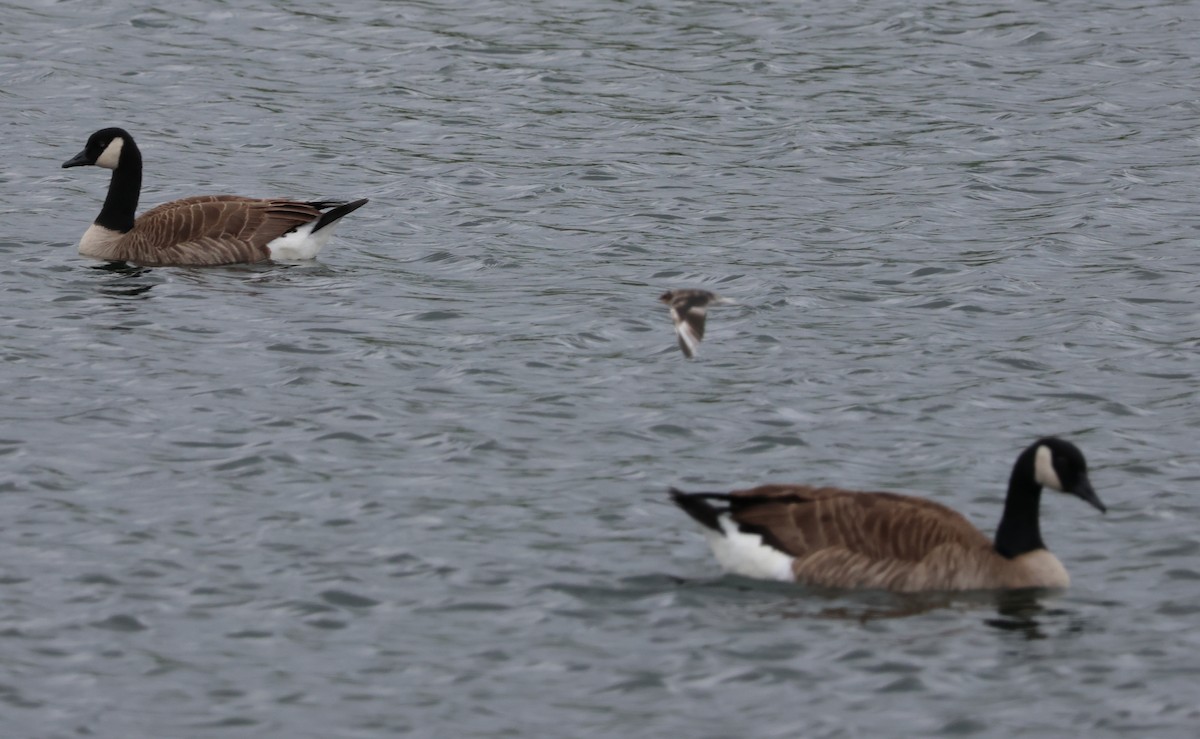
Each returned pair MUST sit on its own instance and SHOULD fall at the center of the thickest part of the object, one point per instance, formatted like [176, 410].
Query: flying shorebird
[688, 310]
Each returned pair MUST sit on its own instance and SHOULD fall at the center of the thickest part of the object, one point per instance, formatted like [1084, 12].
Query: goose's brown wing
[845, 538]
[214, 229]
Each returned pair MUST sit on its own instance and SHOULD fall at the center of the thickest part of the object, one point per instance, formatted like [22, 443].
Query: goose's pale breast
[99, 242]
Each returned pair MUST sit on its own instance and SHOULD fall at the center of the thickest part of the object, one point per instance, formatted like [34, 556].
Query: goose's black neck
[120, 205]
[1020, 530]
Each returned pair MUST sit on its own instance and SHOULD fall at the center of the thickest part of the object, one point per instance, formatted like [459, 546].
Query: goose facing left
[203, 230]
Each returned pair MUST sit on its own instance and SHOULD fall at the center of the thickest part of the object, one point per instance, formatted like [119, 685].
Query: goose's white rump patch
[747, 554]
[300, 244]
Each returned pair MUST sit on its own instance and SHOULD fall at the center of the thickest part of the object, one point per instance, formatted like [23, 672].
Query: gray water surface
[418, 486]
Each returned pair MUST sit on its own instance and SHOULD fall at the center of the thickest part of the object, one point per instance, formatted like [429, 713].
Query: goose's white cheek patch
[1043, 469]
[111, 156]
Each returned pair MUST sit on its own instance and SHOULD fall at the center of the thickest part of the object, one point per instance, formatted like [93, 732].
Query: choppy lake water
[417, 487]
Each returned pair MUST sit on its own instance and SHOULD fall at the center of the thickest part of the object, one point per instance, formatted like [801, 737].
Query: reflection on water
[881, 606]
[120, 268]
[1022, 611]
[1018, 611]
[124, 271]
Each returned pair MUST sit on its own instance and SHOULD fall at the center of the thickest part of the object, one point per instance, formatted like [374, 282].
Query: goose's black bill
[79, 160]
[1083, 489]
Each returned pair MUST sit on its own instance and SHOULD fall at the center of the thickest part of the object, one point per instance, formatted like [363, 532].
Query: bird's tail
[698, 507]
[339, 209]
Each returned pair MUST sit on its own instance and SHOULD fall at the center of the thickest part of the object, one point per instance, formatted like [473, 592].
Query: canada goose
[844, 539]
[202, 230]
[689, 308]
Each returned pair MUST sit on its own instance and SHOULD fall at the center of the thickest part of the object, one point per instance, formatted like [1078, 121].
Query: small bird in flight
[688, 310]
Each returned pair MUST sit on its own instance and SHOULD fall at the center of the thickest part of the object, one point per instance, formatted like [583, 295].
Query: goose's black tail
[697, 506]
[339, 209]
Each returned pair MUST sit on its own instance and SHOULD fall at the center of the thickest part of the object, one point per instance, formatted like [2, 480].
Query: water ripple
[418, 486]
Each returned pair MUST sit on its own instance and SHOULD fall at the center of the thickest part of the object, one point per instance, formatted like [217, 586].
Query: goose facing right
[204, 230]
[839, 538]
